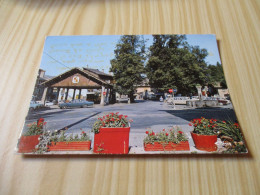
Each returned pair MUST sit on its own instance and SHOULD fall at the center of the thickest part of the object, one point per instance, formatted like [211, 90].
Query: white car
[48, 103]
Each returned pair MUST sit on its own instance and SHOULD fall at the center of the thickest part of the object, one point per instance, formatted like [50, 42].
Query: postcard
[131, 94]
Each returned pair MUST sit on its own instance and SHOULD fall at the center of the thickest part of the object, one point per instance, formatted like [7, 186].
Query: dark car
[76, 103]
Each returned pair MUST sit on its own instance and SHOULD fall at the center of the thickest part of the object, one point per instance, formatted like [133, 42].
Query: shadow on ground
[215, 113]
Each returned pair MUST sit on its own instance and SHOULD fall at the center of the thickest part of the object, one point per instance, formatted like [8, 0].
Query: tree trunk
[132, 100]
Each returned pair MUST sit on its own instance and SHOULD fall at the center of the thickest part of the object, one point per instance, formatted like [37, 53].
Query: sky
[61, 53]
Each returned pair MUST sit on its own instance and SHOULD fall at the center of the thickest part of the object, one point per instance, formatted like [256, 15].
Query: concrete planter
[199, 104]
[211, 103]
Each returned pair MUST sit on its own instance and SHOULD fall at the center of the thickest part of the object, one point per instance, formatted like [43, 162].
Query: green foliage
[175, 64]
[231, 130]
[128, 64]
[205, 126]
[216, 75]
[62, 137]
[111, 120]
[174, 135]
[35, 129]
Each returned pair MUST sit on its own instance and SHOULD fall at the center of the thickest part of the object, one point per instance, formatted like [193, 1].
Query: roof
[73, 71]
[96, 71]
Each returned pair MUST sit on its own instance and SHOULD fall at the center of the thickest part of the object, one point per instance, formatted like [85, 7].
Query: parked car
[76, 103]
[48, 103]
[34, 105]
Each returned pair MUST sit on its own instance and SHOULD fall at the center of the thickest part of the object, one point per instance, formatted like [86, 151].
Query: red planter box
[112, 140]
[158, 146]
[70, 146]
[205, 142]
[27, 143]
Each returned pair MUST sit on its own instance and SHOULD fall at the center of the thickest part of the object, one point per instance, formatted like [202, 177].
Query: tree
[216, 75]
[128, 64]
[173, 63]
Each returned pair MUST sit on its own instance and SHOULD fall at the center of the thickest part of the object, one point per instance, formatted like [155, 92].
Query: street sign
[170, 90]
[175, 90]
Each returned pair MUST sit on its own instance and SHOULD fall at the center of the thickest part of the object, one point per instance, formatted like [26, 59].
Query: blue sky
[63, 52]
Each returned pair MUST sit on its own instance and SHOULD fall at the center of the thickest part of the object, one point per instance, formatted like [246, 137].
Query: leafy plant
[44, 141]
[64, 138]
[35, 129]
[174, 135]
[111, 120]
[231, 132]
[205, 126]
[230, 129]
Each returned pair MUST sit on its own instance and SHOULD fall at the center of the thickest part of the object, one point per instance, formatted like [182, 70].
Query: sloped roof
[73, 71]
[96, 71]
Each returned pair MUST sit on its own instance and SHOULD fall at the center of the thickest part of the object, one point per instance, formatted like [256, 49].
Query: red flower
[120, 117]
[224, 121]
[180, 132]
[208, 125]
[190, 124]
[153, 133]
[107, 116]
[237, 125]
[103, 124]
[147, 132]
[117, 113]
[112, 119]
[166, 134]
[195, 125]
[44, 123]
[126, 116]
[210, 121]
[163, 129]
[83, 132]
[123, 125]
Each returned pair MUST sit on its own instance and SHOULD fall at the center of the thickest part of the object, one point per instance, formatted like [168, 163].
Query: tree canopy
[173, 63]
[128, 64]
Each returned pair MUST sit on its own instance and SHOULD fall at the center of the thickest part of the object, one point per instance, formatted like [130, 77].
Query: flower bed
[170, 146]
[30, 139]
[111, 134]
[70, 146]
[204, 134]
[172, 140]
[72, 143]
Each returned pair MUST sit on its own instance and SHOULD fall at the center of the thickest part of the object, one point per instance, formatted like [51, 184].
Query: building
[79, 83]
[38, 89]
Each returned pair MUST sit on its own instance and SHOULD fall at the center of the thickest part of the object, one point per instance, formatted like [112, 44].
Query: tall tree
[216, 75]
[128, 64]
[173, 63]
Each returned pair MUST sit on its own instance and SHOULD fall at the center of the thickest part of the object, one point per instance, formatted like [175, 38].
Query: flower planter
[27, 143]
[205, 142]
[70, 146]
[157, 146]
[112, 140]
